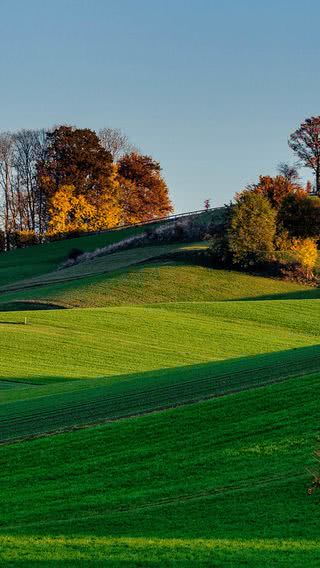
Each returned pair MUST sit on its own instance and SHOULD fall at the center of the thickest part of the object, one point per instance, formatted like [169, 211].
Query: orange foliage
[144, 192]
[276, 189]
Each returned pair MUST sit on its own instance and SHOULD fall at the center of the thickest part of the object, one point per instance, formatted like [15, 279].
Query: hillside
[145, 275]
[218, 483]
[36, 260]
[165, 417]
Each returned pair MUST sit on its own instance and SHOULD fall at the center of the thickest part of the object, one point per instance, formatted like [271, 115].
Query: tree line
[275, 222]
[68, 180]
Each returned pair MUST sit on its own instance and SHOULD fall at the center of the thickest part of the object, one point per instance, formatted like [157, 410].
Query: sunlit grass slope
[135, 359]
[103, 342]
[161, 281]
[220, 483]
[104, 264]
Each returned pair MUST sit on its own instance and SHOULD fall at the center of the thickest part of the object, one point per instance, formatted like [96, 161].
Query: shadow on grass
[87, 402]
[307, 294]
[12, 323]
[28, 305]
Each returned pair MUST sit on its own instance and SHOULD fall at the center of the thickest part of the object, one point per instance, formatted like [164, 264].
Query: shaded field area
[35, 260]
[48, 411]
[198, 484]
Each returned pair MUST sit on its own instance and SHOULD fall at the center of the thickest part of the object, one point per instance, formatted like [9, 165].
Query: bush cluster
[256, 233]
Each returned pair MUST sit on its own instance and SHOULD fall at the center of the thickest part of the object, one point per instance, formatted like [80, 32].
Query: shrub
[252, 230]
[282, 241]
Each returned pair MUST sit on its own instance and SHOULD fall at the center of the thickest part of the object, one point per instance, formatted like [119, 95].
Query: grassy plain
[219, 483]
[169, 422]
[100, 342]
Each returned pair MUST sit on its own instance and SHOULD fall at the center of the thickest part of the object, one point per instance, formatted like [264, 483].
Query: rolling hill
[166, 416]
[219, 483]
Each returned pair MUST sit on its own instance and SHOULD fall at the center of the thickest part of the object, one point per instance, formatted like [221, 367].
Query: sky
[212, 89]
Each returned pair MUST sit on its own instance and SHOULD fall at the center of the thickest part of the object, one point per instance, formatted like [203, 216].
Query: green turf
[41, 410]
[218, 372]
[220, 483]
[165, 281]
[104, 264]
[103, 342]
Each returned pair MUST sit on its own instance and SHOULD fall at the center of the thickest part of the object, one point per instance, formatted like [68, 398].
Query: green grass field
[220, 483]
[168, 420]
[158, 281]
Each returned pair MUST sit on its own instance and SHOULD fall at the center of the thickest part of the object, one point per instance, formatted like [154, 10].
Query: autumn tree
[277, 188]
[306, 253]
[69, 211]
[144, 192]
[69, 179]
[252, 230]
[75, 157]
[305, 142]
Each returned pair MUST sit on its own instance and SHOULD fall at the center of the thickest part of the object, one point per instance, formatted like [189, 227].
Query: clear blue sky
[210, 88]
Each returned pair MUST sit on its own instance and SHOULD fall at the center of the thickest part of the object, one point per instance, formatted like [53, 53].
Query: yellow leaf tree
[69, 212]
[306, 254]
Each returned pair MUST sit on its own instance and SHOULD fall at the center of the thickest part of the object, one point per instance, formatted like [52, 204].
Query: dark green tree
[300, 215]
[252, 230]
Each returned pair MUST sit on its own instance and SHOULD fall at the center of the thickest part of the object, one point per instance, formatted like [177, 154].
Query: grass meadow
[167, 416]
[215, 483]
